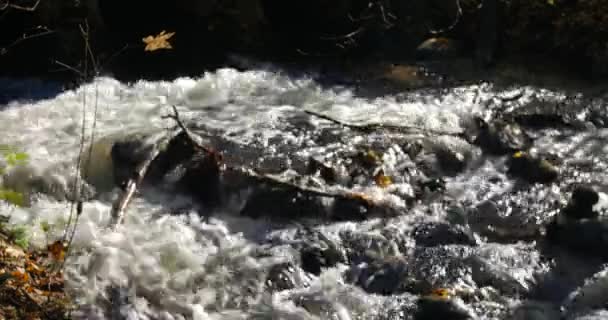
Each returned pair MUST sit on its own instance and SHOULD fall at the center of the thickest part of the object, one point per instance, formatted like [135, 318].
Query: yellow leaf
[383, 180]
[518, 154]
[441, 293]
[160, 41]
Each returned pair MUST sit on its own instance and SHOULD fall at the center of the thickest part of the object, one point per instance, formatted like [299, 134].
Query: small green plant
[13, 158]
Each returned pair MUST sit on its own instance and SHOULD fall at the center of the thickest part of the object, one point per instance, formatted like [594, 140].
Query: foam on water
[181, 266]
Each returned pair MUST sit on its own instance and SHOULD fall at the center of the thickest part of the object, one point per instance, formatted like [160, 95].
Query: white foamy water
[182, 267]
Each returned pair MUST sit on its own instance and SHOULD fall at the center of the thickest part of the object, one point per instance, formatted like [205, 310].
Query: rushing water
[162, 265]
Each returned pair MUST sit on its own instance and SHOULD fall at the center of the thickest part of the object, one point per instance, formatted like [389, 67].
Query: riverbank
[50, 40]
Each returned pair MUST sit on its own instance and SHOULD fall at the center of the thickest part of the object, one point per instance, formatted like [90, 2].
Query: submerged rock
[579, 226]
[532, 169]
[581, 204]
[386, 276]
[435, 307]
[285, 276]
[533, 310]
[500, 137]
[438, 234]
[581, 236]
[314, 258]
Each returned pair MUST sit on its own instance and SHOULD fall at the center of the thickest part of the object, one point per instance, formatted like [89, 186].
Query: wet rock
[201, 179]
[490, 221]
[345, 209]
[500, 137]
[328, 173]
[385, 276]
[438, 267]
[315, 259]
[457, 215]
[451, 162]
[588, 297]
[433, 307]
[438, 48]
[579, 226]
[486, 274]
[281, 204]
[452, 155]
[113, 158]
[581, 204]
[532, 169]
[438, 234]
[585, 237]
[284, 276]
[532, 310]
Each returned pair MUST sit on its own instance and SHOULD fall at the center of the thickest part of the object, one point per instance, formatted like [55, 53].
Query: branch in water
[379, 126]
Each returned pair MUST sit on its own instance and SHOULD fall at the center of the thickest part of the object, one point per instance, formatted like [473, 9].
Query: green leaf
[45, 226]
[20, 234]
[12, 197]
[551, 2]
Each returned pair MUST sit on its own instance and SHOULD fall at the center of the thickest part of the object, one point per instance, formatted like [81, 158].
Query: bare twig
[45, 31]
[175, 117]
[380, 126]
[8, 4]
[70, 68]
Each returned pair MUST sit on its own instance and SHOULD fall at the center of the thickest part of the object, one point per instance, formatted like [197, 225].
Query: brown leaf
[160, 41]
[57, 250]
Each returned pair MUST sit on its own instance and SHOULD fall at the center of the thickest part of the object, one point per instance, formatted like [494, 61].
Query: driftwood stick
[379, 126]
[118, 209]
[175, 116]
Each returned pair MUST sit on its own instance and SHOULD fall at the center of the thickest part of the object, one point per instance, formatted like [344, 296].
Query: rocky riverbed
[342, 199]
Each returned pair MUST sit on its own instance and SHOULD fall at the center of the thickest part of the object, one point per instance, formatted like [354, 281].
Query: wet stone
[386, 276]
[350, 209]
[433, 308]
[486, 274]
[284, 276]
[314, 259]
[533, 310]
[500, 137]
[282, 204]
[438, 234]
[581, 204]
[584, 237]
[532, 169]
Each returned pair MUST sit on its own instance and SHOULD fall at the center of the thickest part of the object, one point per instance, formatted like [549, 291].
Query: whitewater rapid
[162, 265]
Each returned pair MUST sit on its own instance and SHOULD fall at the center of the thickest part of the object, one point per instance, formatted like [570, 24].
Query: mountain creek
[397, 195]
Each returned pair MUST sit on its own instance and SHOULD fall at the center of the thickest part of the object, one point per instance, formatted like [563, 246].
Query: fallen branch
[367, 128]
[187, 132]
[118, 209]
[8, 4]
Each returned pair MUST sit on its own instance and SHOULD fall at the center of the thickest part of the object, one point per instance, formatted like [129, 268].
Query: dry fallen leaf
[441, 293]
[21, 277]
[383, 180]
[57, 250]
[160, 41]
